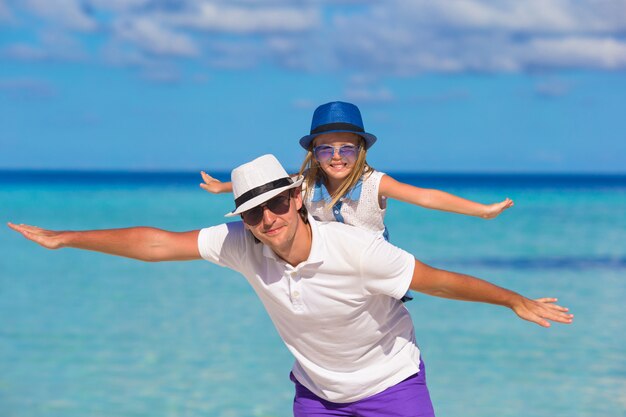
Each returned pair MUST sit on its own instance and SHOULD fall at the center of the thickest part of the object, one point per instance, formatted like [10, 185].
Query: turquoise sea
[89, 335]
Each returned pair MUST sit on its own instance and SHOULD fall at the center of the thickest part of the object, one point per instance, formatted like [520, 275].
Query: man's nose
[268, 215]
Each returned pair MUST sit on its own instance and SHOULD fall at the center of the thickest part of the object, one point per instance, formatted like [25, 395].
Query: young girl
[337, 173]
[341, 186]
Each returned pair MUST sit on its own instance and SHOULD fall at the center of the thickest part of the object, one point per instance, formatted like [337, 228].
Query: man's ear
[297, 195]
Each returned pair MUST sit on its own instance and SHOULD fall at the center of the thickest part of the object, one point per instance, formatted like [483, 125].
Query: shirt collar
[320, 192]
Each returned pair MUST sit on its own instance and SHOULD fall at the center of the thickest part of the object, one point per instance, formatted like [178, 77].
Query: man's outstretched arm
[447, 284]
[143, 243]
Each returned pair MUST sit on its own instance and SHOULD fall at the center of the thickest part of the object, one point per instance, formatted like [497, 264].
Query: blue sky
[455, 86]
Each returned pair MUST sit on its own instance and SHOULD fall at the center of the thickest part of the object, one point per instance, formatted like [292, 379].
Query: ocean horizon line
[423, 178]
[116, 171]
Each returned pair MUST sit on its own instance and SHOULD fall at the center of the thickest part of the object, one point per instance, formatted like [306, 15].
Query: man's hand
[541, 310]
[46, 238]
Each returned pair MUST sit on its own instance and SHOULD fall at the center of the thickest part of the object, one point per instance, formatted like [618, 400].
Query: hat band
[261, 189]
[337, 126]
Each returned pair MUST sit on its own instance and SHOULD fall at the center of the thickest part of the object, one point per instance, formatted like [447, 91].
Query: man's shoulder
[236, 227]
[232, 233]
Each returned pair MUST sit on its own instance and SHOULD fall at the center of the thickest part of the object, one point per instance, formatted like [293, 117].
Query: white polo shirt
[338, 312]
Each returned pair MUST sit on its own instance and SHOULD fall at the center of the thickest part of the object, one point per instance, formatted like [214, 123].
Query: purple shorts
[408, 398]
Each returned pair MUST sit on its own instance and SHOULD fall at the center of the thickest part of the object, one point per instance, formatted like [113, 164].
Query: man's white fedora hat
[259, 180]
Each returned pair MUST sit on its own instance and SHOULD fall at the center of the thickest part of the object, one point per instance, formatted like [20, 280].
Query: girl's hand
[211, 184]
[494, 210]
[541, 310]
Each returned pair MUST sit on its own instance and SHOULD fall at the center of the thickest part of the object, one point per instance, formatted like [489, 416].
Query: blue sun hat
[337, 116]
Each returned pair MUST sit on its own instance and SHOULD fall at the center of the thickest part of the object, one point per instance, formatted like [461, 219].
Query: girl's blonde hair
[312, 173]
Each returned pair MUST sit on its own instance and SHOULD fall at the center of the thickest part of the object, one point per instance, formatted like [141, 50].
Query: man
[332, 291]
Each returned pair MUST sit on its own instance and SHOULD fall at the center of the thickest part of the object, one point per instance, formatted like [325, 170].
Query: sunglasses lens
[323, 153]
[277, 205]
[253, 216]
[348, 152]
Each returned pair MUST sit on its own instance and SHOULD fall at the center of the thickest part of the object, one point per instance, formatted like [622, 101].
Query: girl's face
[344, 153]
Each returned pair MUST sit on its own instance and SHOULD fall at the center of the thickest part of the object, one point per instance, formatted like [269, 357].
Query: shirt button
[296, 294]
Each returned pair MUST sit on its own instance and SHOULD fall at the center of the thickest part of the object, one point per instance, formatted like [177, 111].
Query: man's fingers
[549, 303]
[534, 318]
[43, 237]
[561, 317]
[21, 227]
[542, 322]
[543, 310]
[556, 313]
[14, 226]
[546, 300]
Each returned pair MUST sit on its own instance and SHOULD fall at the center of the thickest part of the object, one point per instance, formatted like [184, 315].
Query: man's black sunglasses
[277, 205]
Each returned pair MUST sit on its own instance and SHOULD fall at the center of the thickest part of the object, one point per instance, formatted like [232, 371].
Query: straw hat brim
[260, 199]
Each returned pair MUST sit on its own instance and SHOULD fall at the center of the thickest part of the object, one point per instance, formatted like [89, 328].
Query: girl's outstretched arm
[215, 186]
[439, 200]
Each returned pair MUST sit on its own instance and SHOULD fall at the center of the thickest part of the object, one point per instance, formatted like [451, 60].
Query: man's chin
[272, 237]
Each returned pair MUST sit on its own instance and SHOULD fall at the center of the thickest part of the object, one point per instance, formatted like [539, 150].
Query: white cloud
[365, 94]
[397, 38]
[5, 12]
[52, 45]
[118, 5]
[70, 14]
[151, 36]
[534, 16]
[24, 52]
[119, 54]
[597, 53]
[468, 35]
[441, 97]
[27, 88]
[237, 19]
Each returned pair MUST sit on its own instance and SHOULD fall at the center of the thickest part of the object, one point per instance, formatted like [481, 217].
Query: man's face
[278, 231]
